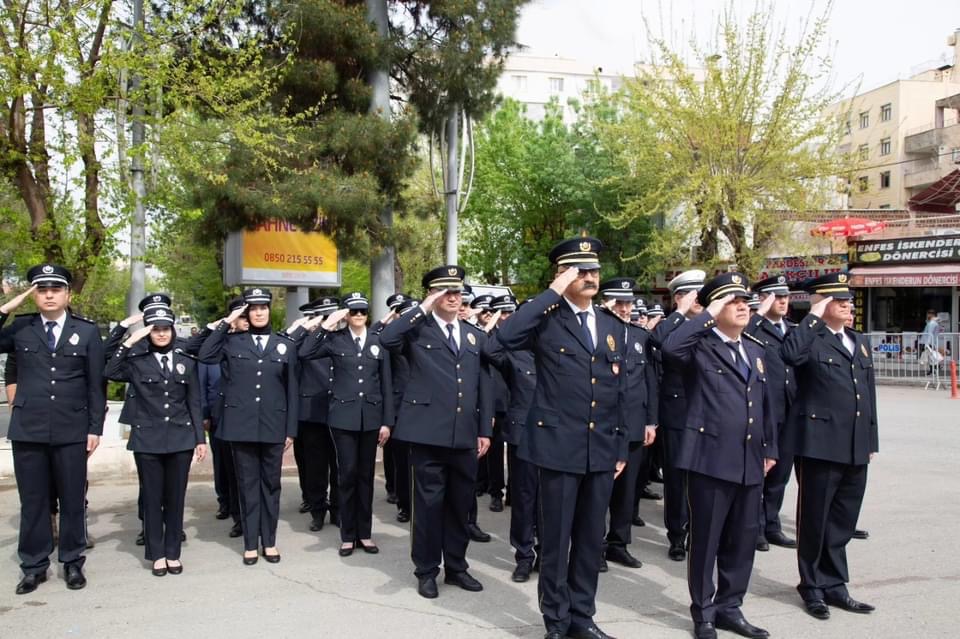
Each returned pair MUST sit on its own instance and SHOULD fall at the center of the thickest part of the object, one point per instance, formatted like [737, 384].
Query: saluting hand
[14, 303]
[334, 319]
[127, 322]
[716, 306]
[821, 306]
[312, 323]
[300, 321]
[564, 279]
[137, 335]
[686, 302]
[389, 317]
[766, 303]
[430, 300]
[492, 322]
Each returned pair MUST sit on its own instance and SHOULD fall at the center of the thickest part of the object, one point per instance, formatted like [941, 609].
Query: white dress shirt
[847, 341]
[443, 328]
[169, 357]
[362, 336]
[264, 339]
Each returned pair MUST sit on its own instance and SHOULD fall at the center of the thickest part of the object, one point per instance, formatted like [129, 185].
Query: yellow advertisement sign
[279, 253]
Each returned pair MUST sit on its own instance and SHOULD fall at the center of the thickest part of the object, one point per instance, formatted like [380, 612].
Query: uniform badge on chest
[281, 348]
[637, 347]
[760, 366]
[471, 339]
[74, 339]
[181, 369]
[863, 349]
[374, 350]
[611, 343]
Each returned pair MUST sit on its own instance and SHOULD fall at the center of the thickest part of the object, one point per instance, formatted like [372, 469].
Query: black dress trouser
[37, 467]
[258, 467]
[571, 527]
[523, 509]
[675, 516]
[163, 489]
[319, 469]
[622, 498]
[443, 489]
[774, 488]
[356, 462]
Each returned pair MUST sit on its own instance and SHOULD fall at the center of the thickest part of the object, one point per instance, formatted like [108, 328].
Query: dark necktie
[451, 341]
[51, 338]
[356, 340]
[163, 366]
[258, 339]
[780, 330]
[738, 360]
[839, 337]
[586, 329]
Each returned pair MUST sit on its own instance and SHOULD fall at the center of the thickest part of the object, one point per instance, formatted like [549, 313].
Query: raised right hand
[686, 302]
[820, 307]
[14, 303]
[564, 279]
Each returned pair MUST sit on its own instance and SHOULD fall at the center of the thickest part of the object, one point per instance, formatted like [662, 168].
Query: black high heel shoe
[175, 570]
[249, 561]
[159, 572]
[346, 551]
[370, 549]
[273, 559]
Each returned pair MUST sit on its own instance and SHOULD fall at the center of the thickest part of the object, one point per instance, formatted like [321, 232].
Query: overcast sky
[872, 43]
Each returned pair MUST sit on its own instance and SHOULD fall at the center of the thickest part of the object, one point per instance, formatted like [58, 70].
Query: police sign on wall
[278, 253]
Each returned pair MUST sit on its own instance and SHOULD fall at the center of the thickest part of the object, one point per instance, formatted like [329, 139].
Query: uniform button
[748, 389]
[858, 413]
[813, 416]
[593, 380]
[459, 394]
[539, 423]
[593, 403]
[592, 425]
[53, 397]
[330, 379]
[360, 368]
[720, 370]
[749, 437]
[414, 402]
[53, 381]
[53, 369]
[360, 381]
[258, 386]
[166, 381]
[701, 429]
[257, 399]
[259, 361]
[459, 380]
[53, 354]
[166, 419]
[593, 359]
[787, 382]
[166, 405]
[458, 365]
[459, 409]
[750, 421]
[429, 346]
[360, 394]
[858, 395]
[259, 373]
[749, 403]
[830, 359]
[166, 394]
[563, 350]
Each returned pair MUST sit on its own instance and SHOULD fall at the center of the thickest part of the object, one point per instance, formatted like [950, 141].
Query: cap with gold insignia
[754, 301]
[835, 285]
[577, 251]
[618, 288]
[691, 280]
[356, 301]
[776, 285]
[731, 283]
[393, 301]
[449, 276]
[49, 276]
[482, 302]
[655, 310]
[154, 300]
[257, 296]
[158, 316]
[504, 303]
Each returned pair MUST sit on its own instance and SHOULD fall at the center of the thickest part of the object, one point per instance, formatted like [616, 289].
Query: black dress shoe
[622, 556]
[273, 559]
[392, 498]
[370, 549]
[73, 575]
[427, 587]
[704, 630]
[175, 570]
[861, 534]
[346, 551]
[463, 579]
[762, 546]
[677, 551]
[236, 531]
[638, 521]
[90, 542]
[222, 513]
[249, 561]
[476, 534]
[304, 507]
[403, 516]
[521, 573]
[817, 608]
[740, 626]
[30, 582]
[603, 565]
[140, 539]
[183, 535]
[779, 539]
[587, 632]
[316, 520]
[649, 494]
[848, 603]
[496, 504]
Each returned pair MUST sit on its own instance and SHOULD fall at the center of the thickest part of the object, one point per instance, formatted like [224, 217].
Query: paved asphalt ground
[909, 568]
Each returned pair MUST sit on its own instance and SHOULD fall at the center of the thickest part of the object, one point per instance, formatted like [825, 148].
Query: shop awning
[921, 275]
[940, 197]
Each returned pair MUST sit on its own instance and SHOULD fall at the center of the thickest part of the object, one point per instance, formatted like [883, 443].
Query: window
[886, 112]
[519, 82]
[955, 155]
[884, 206]
[885, 146]
[556, 85]
[863, 183]
[846, 127]
[864, 119]
[885, 180]
[864, 152]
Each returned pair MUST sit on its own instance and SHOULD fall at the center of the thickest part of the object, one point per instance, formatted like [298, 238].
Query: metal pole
[382, 280]
[297, 296]
[138, 225]
[452, 183]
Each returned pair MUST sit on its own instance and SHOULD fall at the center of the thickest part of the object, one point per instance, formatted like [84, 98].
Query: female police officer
[166, 429]
[259, 389]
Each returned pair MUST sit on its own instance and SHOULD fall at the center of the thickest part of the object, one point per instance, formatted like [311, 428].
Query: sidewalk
[909, 568]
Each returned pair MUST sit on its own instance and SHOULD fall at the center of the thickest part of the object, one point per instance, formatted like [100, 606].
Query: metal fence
[907, 358]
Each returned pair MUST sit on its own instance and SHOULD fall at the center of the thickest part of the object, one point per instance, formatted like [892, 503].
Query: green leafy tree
[712, 155]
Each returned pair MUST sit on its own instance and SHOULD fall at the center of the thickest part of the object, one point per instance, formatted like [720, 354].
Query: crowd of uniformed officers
[722, 398]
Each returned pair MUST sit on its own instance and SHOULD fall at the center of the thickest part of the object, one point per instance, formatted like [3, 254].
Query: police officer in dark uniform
[360, 413]
[393, 302]
[317, 462]
[574, 433]
[447, 418]
[163, 409]
[770, 325]
[727, 443]
[833, 424]
[642, 394]
[56, 422]
[520, 376]
[259, 386]
[672, 410]
[502, 306]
